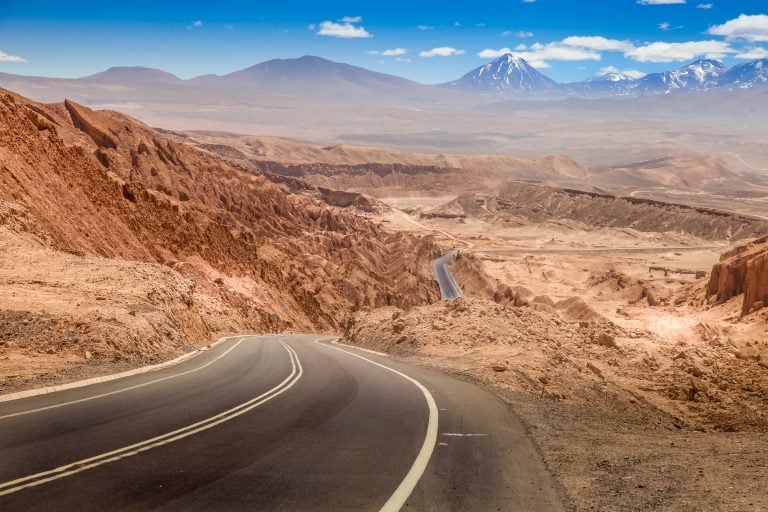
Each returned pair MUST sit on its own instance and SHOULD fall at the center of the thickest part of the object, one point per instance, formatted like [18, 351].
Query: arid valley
[498, 292]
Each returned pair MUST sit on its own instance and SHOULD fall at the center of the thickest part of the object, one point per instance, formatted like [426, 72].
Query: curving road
[449, 288]
[284, 422]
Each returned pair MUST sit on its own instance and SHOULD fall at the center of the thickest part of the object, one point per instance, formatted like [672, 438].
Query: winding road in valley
[284, 422]
[449, 288]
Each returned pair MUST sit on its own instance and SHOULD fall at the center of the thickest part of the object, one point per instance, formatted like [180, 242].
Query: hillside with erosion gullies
[118, 245]
[378, 171]
[525, 203]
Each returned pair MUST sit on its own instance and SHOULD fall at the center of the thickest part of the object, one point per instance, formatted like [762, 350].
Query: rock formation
[743, 270]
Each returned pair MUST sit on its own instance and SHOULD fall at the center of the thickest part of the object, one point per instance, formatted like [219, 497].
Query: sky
[426, 41]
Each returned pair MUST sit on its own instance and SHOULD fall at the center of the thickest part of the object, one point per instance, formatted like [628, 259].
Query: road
[284, 422]
[449, 288]
[577, 250]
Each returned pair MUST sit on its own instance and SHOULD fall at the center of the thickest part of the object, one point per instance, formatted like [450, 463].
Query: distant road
[576, 250]
[284, 422]
[449, 288]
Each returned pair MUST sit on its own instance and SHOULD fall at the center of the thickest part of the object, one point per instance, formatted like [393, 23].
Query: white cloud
[4, 57]
[480, 24]
[403, 59]
[530, 1]
[751, 28]
[632, 73]
[753, 53]
[425, 27]
[352, 19]
[705, 6]
[574, 48]
[344, 30]
[664, 26]
[598, 43]
[441, 51]
[672, 52]
[522, 34]
[538, 55]
[195, 24]
[660, 2]
[489, 53]
[394, 52]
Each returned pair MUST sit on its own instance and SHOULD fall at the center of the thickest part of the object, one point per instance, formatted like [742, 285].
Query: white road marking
[62, 404]
[19, 395]
[406, 487]
[82, 465]
[382, 354]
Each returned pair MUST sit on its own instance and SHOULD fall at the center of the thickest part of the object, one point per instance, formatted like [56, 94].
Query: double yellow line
[128, 451]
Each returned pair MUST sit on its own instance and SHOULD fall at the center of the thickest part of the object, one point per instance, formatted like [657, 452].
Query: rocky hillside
[742, 271]
[101, 186]
[527, 203]
[381, 171]
[383, 180]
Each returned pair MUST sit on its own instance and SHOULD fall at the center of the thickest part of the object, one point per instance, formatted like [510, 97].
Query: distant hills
[315, 76]
[318, 78]
[134, 74]
[303, 77]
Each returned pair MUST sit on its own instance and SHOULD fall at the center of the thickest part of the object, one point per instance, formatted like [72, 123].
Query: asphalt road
[449, 288]
[580, 250]
[271, 423]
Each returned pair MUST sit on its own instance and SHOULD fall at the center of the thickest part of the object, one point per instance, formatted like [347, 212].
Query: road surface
[577, 250]
[283, 422]
[449, 288]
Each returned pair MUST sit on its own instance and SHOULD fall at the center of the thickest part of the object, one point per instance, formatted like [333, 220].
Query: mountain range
[510, 75]
[318, 78]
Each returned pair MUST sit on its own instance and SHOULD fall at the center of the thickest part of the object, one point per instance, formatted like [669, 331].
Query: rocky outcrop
[742, 271]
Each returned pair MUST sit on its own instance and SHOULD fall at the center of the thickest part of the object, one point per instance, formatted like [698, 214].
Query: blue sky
[426, 41]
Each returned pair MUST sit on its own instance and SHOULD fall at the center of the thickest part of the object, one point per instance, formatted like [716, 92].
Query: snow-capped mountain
[507, 74]
[745, 76]
[617, 84]
[701, 75]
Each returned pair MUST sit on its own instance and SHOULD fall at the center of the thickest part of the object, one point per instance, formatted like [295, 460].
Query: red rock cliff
[742, 271]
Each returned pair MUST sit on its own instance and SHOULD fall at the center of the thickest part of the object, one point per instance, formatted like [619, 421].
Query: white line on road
[134, 449]
[337, 342]
[62, 404]
[406, 487]
[19, 395]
